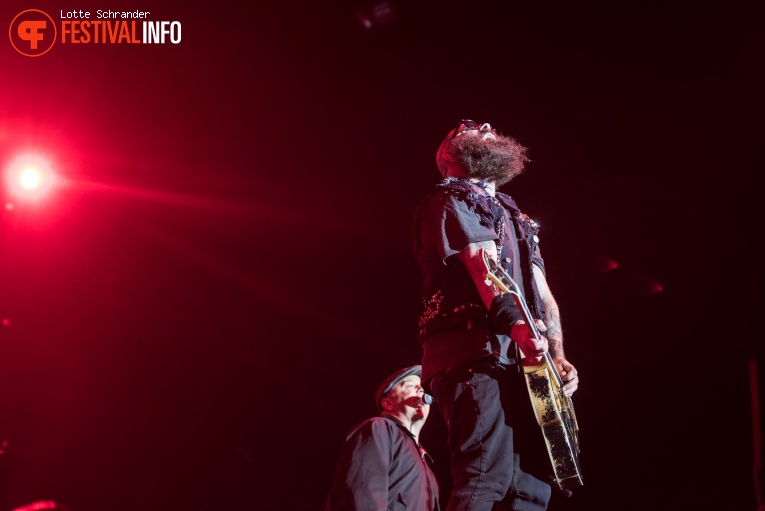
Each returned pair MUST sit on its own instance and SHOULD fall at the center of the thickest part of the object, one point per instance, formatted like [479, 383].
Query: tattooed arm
[554, 334]
[554, 331]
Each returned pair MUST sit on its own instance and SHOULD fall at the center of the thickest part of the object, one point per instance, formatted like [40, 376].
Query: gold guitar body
[555, 414]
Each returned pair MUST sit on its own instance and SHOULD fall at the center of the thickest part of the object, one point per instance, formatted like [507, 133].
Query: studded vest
[455, 214]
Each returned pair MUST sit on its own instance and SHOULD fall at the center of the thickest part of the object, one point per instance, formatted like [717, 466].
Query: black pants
[494, 439]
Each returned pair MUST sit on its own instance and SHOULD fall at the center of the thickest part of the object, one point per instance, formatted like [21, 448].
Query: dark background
[207, 304]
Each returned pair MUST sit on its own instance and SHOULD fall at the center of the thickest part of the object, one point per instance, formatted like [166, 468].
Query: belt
[486, 365]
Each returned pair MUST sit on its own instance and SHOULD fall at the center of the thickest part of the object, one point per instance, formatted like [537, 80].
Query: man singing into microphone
[382, 464]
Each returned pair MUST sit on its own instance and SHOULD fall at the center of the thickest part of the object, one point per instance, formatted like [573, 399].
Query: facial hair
[498, 160]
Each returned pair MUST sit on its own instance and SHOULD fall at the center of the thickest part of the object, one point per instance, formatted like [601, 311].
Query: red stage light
[602, 263]
[29, 177]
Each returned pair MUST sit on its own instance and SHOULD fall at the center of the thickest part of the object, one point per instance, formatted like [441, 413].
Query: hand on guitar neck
[530, 340]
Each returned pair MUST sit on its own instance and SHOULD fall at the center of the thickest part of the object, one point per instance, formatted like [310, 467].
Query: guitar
[553, 409]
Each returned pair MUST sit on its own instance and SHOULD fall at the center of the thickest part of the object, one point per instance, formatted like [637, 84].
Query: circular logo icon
[32, 33]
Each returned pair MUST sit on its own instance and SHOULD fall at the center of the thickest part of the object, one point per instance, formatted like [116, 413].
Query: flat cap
[391, 382]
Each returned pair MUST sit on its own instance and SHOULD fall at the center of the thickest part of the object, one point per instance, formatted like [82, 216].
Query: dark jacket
[382, 468]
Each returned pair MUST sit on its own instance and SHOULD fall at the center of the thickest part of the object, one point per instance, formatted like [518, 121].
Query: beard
[499, 160]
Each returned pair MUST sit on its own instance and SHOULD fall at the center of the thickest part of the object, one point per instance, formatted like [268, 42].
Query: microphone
[427, 399]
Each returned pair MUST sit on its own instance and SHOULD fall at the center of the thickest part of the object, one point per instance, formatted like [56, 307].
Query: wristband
[503, 314]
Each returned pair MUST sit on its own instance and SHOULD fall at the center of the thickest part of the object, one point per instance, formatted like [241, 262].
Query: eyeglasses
[467, 125]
